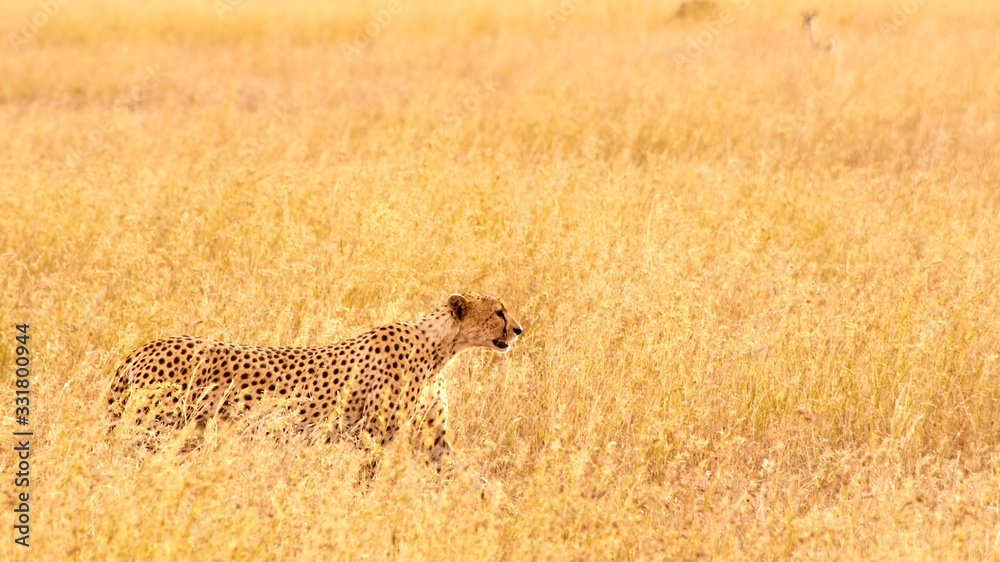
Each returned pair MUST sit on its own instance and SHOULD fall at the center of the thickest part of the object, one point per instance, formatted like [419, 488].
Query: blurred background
[753, 243]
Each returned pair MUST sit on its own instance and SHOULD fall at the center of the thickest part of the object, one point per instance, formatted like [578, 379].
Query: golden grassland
[758, 280]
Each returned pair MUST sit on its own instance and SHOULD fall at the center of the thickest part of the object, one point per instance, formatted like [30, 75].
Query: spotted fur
[372, 383]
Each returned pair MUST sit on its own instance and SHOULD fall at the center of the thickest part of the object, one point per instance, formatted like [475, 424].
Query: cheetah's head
[483, 321]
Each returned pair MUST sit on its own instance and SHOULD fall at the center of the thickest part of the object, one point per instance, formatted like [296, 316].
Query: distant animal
[822, 44]
[372, 383]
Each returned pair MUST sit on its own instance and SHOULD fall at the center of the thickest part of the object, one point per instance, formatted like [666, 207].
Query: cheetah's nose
[517, 331]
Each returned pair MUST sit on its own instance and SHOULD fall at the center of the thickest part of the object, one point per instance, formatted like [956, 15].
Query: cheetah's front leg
[435, 423]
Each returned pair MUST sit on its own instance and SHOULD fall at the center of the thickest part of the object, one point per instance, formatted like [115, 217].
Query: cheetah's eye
[500, 314]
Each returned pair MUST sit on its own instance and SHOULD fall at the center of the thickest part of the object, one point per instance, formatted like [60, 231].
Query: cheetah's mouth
[501, 344]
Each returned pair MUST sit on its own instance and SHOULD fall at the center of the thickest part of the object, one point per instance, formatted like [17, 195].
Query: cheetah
[372, 383]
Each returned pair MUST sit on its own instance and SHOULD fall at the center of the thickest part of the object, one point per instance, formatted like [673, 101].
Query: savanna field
[758, 278]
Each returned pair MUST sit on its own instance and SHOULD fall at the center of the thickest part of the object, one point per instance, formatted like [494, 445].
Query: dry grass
[759, 281]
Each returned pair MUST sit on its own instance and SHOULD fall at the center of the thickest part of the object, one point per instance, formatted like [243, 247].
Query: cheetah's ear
[458, 305]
